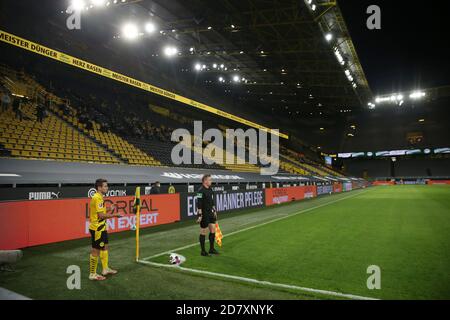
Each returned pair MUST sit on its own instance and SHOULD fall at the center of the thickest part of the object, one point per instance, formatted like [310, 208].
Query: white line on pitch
[259, 282]
[259, 225]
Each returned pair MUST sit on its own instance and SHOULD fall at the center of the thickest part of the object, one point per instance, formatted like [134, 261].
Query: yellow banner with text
[81, 64]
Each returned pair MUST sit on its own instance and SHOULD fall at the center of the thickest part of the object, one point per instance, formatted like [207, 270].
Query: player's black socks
[212, 238]
[202, 242]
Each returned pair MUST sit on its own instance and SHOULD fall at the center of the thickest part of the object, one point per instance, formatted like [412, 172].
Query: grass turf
[404, 230]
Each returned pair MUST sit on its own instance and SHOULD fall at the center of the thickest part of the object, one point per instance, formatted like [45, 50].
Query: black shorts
[101, 242]
[207, 220]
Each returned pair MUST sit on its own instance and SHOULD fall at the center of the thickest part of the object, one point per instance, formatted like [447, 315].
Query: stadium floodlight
[349, 75]
[417, 95]
[236, 78]
[130, 31]
[329, 37]
[339, 56]
[170, 51]
[221, 79]
[313, 7]
[222, 66]
[382, 99]
[98, 3]
[78, 5]
[215, 65]
[150, 27]
[198, 67]
[394, 98]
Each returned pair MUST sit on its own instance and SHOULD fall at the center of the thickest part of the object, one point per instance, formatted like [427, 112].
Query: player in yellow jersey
[98, 215]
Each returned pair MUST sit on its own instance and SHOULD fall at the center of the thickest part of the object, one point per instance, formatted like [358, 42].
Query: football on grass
[174, 259]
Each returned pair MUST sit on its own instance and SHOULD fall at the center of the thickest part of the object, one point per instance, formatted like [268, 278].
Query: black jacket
[155, 190]
[205, 200]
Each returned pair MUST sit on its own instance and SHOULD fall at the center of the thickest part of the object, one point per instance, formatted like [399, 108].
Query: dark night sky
[412, 50]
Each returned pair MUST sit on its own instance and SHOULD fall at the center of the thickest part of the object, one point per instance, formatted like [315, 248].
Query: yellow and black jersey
[97, 206]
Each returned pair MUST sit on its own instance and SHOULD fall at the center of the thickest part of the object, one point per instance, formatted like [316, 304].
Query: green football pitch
[313, 249]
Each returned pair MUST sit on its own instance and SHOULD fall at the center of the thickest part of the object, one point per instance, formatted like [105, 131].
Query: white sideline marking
[259, 282]
[255, 281]
[258, 225]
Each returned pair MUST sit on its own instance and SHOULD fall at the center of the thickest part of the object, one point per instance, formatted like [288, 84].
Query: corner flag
[219, 235]
[137, 210]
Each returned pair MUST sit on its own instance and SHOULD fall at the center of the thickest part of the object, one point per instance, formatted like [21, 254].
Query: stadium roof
[279, 47]
[287, 57]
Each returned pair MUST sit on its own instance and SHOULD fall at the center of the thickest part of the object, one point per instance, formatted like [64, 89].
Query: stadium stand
[27, 132]
[124, 137]
[306, 165]
[419, 166]
[49, 139]
[110, 148]
[369, 167]
[126, 151]
[422, 167]
[396, 129]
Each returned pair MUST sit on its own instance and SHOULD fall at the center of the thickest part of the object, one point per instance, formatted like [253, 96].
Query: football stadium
[224, 150]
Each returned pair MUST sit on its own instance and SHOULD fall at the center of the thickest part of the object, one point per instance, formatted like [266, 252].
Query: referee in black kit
[207, 215]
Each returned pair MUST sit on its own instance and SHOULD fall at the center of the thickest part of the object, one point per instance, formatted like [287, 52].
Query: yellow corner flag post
[219, 235]
[137, 210]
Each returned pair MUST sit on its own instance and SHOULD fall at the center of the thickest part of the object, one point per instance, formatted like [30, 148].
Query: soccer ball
[174, 259]
[133, 227]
